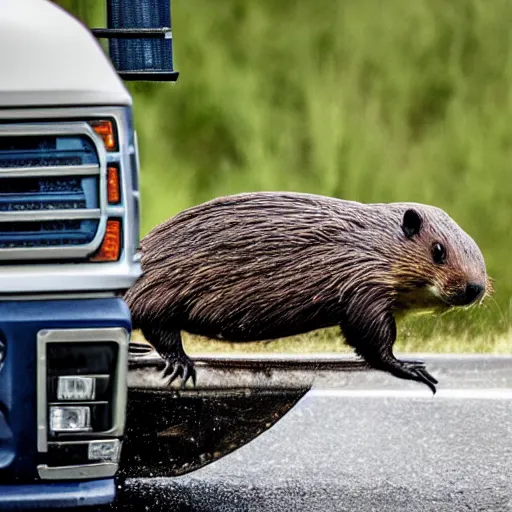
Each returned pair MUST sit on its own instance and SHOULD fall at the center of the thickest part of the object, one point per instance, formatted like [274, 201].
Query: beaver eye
[438, 253]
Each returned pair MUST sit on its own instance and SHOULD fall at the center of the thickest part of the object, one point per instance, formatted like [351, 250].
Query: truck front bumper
[37, 468]
[57, 495]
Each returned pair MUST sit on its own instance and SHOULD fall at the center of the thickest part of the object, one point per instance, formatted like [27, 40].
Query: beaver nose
[473, 292]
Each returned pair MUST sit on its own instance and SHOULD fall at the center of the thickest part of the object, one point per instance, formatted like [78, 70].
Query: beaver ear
[411, 224]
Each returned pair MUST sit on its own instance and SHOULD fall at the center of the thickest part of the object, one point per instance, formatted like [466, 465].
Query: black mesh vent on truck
[49, 191]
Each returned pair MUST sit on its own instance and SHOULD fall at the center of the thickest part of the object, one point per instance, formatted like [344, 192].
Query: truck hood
[49, 58]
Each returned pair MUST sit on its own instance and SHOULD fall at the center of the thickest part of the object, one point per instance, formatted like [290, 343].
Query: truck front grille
[51, 191]
[47, 233]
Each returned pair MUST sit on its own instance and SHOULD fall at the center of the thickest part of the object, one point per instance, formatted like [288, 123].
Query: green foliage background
[367, 100]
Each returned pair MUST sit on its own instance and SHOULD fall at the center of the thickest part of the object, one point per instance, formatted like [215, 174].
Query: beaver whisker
[502, 316]
[447, 311]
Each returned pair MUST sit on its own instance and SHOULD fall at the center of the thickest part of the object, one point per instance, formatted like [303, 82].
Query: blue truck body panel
[20, 322]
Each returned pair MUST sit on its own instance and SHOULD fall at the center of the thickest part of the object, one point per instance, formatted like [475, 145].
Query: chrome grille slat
[33, 172]
[40, 215]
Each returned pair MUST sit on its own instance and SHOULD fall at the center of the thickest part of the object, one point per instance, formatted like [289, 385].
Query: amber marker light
[110, 248]
[113, 190]
[105, 130]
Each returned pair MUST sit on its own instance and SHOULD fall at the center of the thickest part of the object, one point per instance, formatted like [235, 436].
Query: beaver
[267, 265]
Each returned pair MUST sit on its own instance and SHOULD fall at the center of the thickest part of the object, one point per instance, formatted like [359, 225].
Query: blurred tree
[372, 101]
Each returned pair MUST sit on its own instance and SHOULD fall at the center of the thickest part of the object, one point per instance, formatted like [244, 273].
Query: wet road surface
[366, 442]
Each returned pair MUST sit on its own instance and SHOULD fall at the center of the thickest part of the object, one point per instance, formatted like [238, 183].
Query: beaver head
[439, 265]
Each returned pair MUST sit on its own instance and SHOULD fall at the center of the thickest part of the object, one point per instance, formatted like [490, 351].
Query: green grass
[330, 341]
[366, 100]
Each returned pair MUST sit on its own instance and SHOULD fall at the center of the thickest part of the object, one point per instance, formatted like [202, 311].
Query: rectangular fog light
[76, 388]
[104, 450]
[70, 419]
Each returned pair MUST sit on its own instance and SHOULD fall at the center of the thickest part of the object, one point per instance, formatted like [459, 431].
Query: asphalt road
[366, 443]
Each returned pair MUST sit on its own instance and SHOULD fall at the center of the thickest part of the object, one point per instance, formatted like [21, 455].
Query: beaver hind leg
[169, 345]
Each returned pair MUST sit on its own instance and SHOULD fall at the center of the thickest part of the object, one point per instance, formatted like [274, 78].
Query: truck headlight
[104, 450]
[73, 387]
[82, 394]
[70, 419]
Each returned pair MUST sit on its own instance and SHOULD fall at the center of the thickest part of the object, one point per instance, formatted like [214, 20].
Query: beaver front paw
[179, 366]
[407, 369]
[416, 371]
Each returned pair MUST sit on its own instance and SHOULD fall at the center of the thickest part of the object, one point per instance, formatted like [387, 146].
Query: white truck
[69, 228]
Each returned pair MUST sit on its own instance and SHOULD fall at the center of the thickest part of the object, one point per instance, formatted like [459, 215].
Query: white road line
[457, 394]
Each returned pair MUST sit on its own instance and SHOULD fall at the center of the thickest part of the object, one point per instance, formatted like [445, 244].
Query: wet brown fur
[269, 265]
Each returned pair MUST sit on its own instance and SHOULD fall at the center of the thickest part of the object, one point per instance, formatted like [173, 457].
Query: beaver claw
[413, 362]
[419, 372]
[179, 366]
[410, 370]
